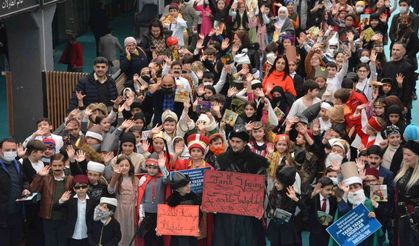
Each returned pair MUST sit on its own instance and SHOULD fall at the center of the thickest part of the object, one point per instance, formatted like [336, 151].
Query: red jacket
[76, 55]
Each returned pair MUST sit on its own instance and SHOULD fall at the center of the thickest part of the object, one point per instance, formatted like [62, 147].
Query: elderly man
[134, 58]
[235, 229]
[96, 87]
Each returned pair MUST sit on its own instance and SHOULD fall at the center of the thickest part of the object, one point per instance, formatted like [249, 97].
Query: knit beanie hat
[127, 137]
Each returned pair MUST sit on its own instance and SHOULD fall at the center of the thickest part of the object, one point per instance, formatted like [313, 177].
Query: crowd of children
[300, 92]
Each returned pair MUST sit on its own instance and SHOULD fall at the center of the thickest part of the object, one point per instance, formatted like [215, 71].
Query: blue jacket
[89, 87]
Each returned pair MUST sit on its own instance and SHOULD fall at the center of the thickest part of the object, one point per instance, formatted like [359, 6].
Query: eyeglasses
[78, 187]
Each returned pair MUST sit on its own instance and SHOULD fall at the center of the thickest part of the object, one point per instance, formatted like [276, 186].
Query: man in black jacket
[161, 96]
[235, 229]
[12, 187]
[401, 73]
[96, 87]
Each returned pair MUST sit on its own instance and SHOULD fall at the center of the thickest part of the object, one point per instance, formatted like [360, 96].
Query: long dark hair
[286, 69]
[130, 172]
[156, 23]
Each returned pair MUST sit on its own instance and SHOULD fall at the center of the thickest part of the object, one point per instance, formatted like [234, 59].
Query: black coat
[28, 171]
[397, 160]
[89, 87]
[5, 187]
[135, 64]
[70, 209]
[234, 229]
[314, 205]
[153, 104]
[111, 234]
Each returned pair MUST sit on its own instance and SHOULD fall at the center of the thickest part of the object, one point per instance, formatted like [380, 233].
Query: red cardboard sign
[182, 220]
[233, 193]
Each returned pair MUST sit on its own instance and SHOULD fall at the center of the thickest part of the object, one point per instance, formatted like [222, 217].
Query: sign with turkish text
[182, 220]
[354, 227]
[233, 193]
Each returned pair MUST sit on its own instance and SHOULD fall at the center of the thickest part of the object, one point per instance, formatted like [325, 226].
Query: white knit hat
[95, 167]
[110, 201]
[94, 135]
[270, 58]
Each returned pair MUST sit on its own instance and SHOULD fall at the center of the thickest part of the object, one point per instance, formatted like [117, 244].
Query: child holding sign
[182, 196]
[150, 194]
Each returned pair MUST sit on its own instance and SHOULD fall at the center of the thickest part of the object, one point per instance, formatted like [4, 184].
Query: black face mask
[168, 91]
[276, 100]
[146, 78]
[402, 26]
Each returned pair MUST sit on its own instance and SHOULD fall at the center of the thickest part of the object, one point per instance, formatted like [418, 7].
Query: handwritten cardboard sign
[233, 193]
[182, 220]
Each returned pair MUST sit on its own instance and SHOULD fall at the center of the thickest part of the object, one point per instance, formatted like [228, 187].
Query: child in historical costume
[150, 194]
[197, 145]
[282, 203]
[105, 230]
[182, 196]
[322, 207]
[354, 195]
[124, 184]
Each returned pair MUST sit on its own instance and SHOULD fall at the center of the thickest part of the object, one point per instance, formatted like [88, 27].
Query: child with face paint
[105, 230]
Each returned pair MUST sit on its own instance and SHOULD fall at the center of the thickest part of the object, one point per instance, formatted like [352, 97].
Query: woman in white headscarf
[283, 24]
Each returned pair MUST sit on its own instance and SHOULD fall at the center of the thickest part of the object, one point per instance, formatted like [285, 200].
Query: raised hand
[225, 44]
[117, 101]
[249, 126]
[291, 193]
[316, 190]
[117, 171]
[66, 196]
[315, 126]
[80, 156]
[70, 152]
[399, 79]
[145, 145]
[200, 44]
[232, 91]
[80, 95]
[178, 149]
[108, 157]
[44, 171]
[20, 150]
[156, 129]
